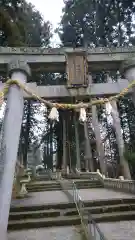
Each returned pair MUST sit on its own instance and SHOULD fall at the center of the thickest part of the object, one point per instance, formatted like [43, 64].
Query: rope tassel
[82, 117]
[54, 114]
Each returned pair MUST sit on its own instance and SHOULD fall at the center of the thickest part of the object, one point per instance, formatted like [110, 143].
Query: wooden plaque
[77, 69]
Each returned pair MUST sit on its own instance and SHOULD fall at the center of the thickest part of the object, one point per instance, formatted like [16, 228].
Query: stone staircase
[65, 214]
[39, 186]
[105, 206]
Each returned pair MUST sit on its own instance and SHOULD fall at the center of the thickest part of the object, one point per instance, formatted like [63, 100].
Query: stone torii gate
[20, 63]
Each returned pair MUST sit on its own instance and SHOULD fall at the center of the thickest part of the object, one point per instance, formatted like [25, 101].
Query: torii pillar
[18, 70]
[119, 137]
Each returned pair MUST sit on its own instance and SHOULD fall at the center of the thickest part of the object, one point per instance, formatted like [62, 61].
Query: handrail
[90, 227]
[94, 230]
[87, 224]
[80, 208]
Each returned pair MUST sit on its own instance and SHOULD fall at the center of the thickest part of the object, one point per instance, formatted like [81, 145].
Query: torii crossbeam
[54, 59]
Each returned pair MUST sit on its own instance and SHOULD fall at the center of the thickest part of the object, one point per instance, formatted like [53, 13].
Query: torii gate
[20, 62]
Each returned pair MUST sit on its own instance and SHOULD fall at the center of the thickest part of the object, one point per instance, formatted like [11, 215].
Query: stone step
[44, 186]
[95, 203]
[87, 183]
[78, 185]
[70, 211]
[56, 183]
[86, 186]
[42, 189]
[114, 216]
[44, 222]
[53, 186]
[69, 217]
[49, 188]
[74, 176]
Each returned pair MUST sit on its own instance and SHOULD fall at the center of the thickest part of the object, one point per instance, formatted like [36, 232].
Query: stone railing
[80, 175]
[21, 179]
[118, 184]
[45, 174]
[56, 175]
[87, 175]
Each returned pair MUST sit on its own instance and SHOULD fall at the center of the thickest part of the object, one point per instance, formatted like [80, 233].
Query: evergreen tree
[22, 25]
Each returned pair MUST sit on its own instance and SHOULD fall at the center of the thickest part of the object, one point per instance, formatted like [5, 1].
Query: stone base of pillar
[34, 174]
[64, 170]
[121, 177]
[89, 164]
[58, 175]
[23, 192]
[68, 170]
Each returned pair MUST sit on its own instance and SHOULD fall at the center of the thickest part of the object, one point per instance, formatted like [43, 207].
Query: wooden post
[88, 153]
[12, 126]
[64, 146]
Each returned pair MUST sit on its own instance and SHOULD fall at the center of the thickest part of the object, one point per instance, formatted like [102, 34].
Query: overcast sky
[51, 10]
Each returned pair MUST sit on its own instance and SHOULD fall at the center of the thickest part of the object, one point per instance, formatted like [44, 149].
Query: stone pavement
[124, 230]
[38, 198]
[49, 197]
[102, 194]
[59, 233]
